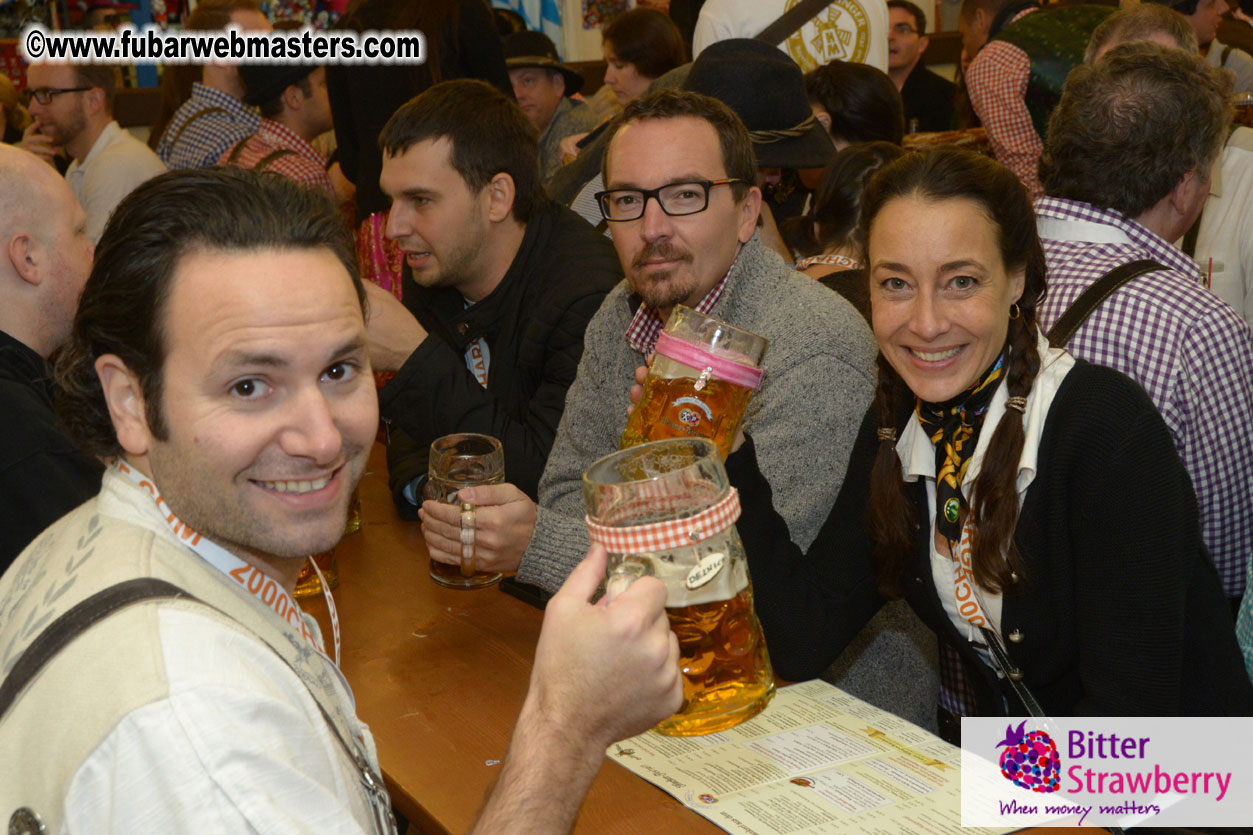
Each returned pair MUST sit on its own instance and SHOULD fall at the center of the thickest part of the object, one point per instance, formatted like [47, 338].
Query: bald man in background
[46, 260]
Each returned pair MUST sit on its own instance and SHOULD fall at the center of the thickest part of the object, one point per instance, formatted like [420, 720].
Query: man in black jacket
[47, 257]
[499, 287]
[927, 97]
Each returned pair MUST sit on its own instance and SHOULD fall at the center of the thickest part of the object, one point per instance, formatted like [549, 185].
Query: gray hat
[535, 49]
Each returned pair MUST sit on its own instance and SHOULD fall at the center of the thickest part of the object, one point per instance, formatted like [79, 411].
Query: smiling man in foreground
[219, 360]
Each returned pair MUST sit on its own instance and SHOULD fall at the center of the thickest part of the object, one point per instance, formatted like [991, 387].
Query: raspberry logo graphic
[1030, 759]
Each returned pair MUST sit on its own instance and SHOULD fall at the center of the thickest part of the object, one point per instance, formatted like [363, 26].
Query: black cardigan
[42, 475]
[1120, 612]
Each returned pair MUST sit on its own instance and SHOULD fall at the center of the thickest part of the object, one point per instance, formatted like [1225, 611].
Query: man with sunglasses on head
[73, 110]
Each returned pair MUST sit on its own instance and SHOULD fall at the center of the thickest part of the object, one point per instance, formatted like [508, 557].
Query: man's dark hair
[122, 309]
[1138, 23]
[104, 76]
[920, 17]
[1130, 126]
[863, 101]
[489, 134]
[990, 7]
[648, 40]
[733, 138]
[273, 108]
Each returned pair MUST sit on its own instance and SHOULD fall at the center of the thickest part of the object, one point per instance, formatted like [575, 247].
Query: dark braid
[890, 515]
[946, 174]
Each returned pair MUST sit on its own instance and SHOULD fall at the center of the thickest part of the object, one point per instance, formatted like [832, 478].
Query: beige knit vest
[117, 666]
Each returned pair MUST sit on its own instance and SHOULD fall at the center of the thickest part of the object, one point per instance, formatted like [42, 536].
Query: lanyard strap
[253, 580]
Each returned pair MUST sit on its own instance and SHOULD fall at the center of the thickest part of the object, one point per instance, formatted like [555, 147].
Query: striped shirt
[275, 147]
[207, 125]
[1188, 348]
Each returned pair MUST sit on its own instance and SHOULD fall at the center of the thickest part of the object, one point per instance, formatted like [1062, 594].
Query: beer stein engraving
[665, 509]
[699, 383]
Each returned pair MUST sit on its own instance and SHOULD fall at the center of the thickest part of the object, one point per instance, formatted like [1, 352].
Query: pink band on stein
[737, 373]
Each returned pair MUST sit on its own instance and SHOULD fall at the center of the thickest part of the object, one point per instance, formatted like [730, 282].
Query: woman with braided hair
[1029, 506]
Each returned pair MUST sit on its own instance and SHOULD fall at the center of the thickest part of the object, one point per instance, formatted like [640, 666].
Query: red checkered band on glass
[670, 534]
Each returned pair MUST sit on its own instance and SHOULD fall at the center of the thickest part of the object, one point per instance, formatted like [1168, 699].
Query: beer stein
[698, 385]
[665, 509]
[308, 583]
[1244, 109]
[457, 461]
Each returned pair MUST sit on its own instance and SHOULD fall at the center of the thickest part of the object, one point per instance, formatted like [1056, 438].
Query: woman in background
[856, 103]
[824, 238]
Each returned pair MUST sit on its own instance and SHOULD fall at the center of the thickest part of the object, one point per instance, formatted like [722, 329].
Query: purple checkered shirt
[1190, 351]
[646, 325]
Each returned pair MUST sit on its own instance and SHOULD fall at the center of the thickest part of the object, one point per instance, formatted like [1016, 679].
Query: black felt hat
[766, 89]
[266, 82]
[535, 49]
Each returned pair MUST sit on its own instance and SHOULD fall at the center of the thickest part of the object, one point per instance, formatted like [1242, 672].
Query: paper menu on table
[817, 760]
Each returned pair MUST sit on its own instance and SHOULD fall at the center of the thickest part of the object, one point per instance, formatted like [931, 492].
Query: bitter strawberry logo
[1030, 759]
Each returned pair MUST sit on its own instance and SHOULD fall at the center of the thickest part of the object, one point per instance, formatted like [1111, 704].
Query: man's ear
[26, 257]
[125, 398]
[1191, 190]
[923, 43]
[559, 81]
[95, 99]
[501, 193]
[293, 97]
[750, 209]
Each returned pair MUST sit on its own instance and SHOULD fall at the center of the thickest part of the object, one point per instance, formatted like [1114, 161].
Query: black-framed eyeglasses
[904, 29]
[675, 199]
[44, 95]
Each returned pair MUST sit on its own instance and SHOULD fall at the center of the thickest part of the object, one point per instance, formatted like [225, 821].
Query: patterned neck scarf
[954, 430]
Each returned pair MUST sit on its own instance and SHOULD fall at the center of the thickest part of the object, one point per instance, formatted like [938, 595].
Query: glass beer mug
[456, 461]
[698, 385]
[665, 509]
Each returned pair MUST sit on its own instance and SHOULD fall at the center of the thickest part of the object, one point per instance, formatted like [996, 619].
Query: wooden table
[439, 675]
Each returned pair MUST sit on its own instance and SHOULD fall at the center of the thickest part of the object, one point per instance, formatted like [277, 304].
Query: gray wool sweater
[819, 380]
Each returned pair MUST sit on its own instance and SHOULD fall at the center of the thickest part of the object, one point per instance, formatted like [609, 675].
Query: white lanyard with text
[253, 580]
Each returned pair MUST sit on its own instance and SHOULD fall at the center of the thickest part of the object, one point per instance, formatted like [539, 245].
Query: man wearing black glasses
[73, 110]
[927, 97]
[683, 212]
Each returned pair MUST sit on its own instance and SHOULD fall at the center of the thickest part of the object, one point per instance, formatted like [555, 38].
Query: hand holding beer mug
[455, 462]
[702, 375]
[665, 509]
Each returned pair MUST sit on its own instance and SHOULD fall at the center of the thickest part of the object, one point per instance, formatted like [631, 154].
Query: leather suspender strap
[273, 156]
[236, 150]
[264, 162]
[1090, 299]
[790, 21]
[193, 117]
[99, 606]
[77, 620]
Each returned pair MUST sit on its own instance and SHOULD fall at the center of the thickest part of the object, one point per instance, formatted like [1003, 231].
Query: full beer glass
[457, 461]
[665, 509]
[701, 377]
